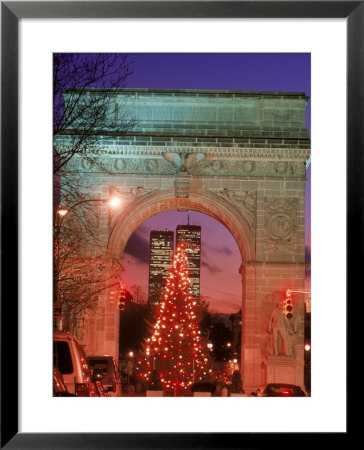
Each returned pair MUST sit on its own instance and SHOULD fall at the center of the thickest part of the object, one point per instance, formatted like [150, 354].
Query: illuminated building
[191, 236]
[160, 257]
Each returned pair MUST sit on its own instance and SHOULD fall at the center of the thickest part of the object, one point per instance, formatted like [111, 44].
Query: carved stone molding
[201, 161]
[212, 150]
[280, 224]
[208, 167]
[250, 168]
[245, 202]
[141, 165]
[195, 164]
[182, 186]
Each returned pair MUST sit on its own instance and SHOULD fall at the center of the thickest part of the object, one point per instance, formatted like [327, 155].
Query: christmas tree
[175, 349]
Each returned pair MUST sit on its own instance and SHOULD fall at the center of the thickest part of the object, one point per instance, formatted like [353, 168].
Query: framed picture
[139, 425]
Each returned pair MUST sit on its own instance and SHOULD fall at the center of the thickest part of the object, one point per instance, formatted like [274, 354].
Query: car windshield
[105, 364]
[97, 363]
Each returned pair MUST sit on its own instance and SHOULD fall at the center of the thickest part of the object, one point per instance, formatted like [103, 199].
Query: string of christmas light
[176, 349]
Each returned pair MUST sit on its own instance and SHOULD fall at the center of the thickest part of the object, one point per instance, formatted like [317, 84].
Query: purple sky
[220, 256]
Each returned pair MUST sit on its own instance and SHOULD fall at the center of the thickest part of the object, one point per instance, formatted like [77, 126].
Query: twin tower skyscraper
[161, 249]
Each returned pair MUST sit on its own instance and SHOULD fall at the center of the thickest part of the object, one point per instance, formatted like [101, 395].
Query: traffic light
[288, 307]
[125, 297]
[122, 301]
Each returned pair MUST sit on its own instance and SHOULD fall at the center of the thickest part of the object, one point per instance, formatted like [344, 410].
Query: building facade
[160, 258]
[190, 235]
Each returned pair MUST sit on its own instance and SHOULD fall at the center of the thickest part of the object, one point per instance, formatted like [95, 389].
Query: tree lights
[175, 348]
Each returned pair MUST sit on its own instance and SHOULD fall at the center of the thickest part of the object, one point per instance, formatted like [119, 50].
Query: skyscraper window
[191, 236]
[160, 257]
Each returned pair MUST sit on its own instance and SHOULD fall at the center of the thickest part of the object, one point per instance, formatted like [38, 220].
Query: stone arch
[155, 203]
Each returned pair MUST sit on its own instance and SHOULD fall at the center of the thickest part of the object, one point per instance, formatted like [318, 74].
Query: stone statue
[291, 336]
[277, 331]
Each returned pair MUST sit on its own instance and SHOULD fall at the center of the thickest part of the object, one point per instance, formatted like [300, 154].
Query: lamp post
[210, 346]
[307, 371]
[307, 335]
[301, 291]
[129, 369]
[61, 214]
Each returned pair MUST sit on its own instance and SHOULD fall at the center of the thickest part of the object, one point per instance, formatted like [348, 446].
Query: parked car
[70, 359]
[111, 379]
[279, 390]
[59, 388]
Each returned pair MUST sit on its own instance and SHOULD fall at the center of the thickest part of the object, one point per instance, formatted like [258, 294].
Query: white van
[70, 359]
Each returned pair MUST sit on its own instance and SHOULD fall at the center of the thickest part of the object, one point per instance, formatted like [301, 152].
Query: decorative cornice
[130, 151]
[210, 166]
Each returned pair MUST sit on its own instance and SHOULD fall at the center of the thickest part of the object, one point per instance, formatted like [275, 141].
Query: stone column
[102, 331]
[250, 347]
[104, 319]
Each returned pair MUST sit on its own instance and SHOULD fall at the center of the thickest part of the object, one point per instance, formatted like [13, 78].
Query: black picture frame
[11, 12]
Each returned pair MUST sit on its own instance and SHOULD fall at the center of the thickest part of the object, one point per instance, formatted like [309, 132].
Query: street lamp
[301, 291]
[113, 203]
[129, 369]
[62, 211]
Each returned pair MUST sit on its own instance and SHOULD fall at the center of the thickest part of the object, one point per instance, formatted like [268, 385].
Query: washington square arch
[239, 157]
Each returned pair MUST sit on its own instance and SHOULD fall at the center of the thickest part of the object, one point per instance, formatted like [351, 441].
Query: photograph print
[181, 225]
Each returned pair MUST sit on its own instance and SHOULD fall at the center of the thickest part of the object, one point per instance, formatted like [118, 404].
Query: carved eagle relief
[184, 161]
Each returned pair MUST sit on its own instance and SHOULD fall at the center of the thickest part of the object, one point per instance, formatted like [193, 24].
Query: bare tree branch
[78, 107]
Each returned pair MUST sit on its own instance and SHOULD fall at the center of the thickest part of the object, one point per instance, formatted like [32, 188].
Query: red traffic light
[287, 308]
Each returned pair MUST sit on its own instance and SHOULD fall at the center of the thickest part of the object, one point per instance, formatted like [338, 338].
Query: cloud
[225, 250]
[210, 267]
[138, 247]
[221, 250]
